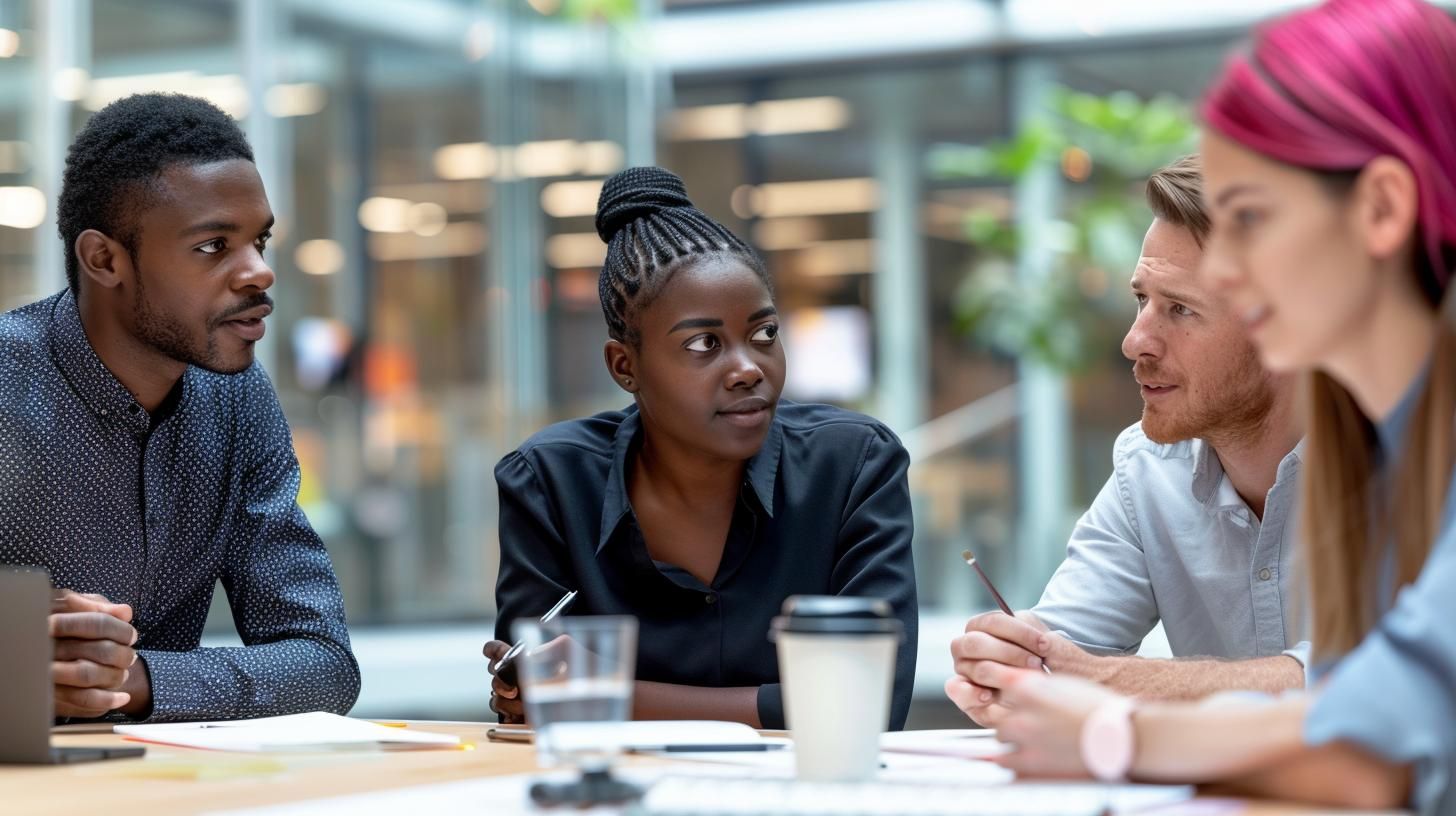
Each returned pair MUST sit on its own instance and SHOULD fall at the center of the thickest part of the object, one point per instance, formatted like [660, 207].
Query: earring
[627, 382]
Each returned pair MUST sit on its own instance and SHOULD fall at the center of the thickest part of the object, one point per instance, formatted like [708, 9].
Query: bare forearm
[1258, 749]
[1337, 775]
[668, 701]
[1217, 740]
[1195, 678]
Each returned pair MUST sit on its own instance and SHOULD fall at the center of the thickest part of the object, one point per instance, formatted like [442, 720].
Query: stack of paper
[963, 743]
[315, 731]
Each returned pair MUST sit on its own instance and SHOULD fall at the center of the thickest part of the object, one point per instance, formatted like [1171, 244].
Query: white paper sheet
[657, 735]
[964, 743]
[315, 731]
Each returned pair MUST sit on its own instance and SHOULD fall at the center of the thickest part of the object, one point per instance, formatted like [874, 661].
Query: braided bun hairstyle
[651, 228]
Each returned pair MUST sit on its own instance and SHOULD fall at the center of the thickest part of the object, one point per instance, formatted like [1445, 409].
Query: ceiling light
[457, 197]
[601, 158]
[570, 199]
[426, 218]
[227, 91]
[296, 99]
[383, 214]
[775, 117]
[827, 197]
[709, 122]
[554, 158]
[320, 256]
[458, 240]
[469, 160]
[812, 115]
[22, 207]
[9, 43]
[69, 84]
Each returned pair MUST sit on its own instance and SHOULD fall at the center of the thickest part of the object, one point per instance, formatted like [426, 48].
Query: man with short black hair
[1195, 527]
[143, 453]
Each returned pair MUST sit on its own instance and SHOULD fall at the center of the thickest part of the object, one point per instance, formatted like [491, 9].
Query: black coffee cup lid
[836, 615]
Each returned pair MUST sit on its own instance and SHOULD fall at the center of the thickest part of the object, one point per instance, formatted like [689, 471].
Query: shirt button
[1265, 574]
[710, 598]
[134, 408]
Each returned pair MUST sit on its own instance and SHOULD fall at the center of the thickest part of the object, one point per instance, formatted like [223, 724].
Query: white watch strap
[1108, 741]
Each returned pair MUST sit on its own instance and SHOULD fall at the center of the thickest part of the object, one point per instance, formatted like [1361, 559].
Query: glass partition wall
[434, 166]
[430, 306]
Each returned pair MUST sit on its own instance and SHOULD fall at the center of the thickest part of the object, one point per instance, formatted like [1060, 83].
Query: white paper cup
[837, 666]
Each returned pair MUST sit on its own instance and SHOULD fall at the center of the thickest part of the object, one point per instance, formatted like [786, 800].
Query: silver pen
[507, 660]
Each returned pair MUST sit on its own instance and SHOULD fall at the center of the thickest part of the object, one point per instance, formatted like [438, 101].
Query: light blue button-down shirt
[1395, 694]
[1169, 538]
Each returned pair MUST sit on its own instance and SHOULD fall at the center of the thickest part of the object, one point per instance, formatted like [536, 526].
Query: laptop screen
[26, 711]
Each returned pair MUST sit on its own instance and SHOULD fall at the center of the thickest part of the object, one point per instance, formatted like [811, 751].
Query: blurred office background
[946, 191]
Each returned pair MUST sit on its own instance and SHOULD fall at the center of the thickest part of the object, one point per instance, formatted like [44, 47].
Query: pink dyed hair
[1333, 87]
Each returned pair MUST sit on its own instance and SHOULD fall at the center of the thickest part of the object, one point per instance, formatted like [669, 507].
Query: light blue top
[1395, 694]
[1170, 539]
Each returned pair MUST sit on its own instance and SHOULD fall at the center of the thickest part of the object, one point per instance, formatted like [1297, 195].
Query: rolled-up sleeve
[1101, 597]
[1395, 694]
[1300, 652]
[285, 602]
[875, 561]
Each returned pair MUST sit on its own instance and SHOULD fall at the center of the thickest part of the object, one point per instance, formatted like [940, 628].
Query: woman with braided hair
[708, 501]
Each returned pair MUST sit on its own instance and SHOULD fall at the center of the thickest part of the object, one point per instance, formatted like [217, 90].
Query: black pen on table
[706, 748]
[1000, 601]
[509, 658]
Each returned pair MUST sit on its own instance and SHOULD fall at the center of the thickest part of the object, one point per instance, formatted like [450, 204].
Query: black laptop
[26, 709]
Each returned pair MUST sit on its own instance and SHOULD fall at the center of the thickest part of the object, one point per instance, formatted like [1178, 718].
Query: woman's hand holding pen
[991, 653]
[505, 691]
[505, 697]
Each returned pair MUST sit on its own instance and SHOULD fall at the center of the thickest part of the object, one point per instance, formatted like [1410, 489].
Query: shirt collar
[88, 376]
[1391, 430]
[1211, 489]
[1207, 472]
[763, 468]
[762, 474]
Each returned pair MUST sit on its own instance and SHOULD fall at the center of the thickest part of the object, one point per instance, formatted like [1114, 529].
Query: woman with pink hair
[1330, 176]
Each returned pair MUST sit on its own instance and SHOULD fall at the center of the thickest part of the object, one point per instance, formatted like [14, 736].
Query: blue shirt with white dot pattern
[154, 511]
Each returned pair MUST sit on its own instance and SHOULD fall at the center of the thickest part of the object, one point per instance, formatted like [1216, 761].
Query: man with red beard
[1194, 528]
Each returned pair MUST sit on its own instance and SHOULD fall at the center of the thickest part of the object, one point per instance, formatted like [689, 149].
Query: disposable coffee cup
[837, 667]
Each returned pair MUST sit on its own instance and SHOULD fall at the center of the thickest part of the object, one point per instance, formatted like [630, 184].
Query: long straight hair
[1328, 90]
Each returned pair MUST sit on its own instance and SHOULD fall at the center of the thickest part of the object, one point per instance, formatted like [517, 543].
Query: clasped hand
[93, 656]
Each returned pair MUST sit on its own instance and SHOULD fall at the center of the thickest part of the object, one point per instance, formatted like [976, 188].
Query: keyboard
[704, 796]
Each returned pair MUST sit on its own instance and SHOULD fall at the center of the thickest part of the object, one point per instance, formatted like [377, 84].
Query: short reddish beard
[1231, 405]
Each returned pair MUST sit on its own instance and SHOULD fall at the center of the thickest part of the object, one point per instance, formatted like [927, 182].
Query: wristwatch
[1108, 740]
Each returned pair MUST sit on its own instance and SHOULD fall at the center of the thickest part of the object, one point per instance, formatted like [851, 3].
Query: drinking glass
[576, 674]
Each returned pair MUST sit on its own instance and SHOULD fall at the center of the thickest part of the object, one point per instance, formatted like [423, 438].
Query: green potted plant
[1105, 146]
